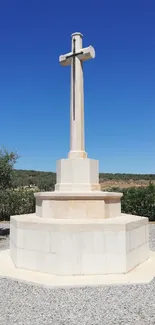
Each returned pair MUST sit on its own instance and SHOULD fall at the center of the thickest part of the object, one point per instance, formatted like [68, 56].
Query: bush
[14, 202]
[7, 161]
[138, 201]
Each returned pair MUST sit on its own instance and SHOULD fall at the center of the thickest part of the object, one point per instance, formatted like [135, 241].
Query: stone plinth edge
[95, 195]
[119, 223]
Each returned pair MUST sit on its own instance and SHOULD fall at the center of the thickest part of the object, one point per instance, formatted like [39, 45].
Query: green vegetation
[45, 181]
[138, 200]
[12, 200]
[7, 161]
[126, 177]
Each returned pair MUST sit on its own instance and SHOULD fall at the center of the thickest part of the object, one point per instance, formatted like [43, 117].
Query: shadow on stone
[4, 232]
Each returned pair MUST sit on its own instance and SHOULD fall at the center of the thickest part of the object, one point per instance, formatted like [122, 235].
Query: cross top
[82, 54]
[75, 58]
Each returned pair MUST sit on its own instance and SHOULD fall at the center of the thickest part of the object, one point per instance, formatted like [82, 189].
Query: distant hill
[125, 180]
[43, 180]
[47, 180]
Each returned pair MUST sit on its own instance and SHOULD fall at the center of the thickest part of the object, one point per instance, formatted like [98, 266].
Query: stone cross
[75, 58]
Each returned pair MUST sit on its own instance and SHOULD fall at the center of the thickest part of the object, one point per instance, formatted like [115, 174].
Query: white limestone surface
[76, 247]
[144, 273]
[77, 205]
[75, 58]
[76, 174]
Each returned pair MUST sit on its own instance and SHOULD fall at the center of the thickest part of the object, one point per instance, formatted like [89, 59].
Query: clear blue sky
[119, 82]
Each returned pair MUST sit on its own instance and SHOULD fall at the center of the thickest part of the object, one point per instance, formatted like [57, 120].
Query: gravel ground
[23, 304]
[4, 238]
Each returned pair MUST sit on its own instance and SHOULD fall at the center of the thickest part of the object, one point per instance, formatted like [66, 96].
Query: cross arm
[83, 55]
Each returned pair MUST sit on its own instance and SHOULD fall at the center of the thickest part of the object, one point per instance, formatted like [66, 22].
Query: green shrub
[138, 200]
[14, 202]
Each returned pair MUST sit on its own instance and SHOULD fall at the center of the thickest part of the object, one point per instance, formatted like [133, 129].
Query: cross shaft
[75, 58]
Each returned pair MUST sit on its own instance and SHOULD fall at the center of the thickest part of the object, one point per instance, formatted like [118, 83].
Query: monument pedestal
[77, 175]
[79, 247]
[78, 233]
[84, 205]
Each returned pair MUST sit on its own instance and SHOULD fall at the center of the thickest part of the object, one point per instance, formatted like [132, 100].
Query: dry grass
[121, 184]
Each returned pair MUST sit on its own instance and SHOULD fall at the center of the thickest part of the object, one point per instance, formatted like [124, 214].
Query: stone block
[93, 263]
[91, 205]
[78, 174]
[78, 247]
[138, 237]
[137, 256]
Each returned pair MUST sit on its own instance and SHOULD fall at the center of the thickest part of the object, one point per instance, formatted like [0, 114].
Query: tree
[30, 181]
[7, 161]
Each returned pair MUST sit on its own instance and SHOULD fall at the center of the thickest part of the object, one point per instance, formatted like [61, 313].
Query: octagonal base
[79, 247]
[71, 205]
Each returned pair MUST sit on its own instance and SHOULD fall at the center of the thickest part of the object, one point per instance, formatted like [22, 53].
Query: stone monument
[78, 229]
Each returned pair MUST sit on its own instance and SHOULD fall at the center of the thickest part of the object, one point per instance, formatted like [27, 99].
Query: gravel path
[23, 304]
[4, 232]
